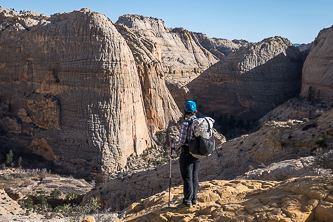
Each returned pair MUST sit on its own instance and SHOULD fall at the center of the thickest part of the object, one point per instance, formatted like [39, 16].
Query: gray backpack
[203, 142]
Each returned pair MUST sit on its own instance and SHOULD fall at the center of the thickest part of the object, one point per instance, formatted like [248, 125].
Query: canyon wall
[70, 92]
[217, 46]
[250, 81]
[181, 57]
[160, 107]
[317, 79]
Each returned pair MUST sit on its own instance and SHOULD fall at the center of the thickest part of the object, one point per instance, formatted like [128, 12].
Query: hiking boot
[184, 206]
[194, 202]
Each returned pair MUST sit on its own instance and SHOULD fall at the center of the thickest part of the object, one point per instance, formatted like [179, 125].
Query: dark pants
[189, 167]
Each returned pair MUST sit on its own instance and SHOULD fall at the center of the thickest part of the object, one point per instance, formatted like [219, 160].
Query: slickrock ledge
[295, 199]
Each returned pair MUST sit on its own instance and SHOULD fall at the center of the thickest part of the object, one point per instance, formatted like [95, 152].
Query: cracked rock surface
[295, 199]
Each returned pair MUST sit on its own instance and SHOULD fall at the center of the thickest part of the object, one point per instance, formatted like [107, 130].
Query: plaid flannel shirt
[183, 134]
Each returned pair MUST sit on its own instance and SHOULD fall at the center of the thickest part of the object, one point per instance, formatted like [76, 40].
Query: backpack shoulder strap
[209, 130]
[188, 129]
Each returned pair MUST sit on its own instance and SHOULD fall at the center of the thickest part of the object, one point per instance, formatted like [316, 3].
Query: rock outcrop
[8, 206]
[297, 108]
[317, 79]
[71, 93]
[251, 81]
[279, 171]
[20, 189]
[296, 199]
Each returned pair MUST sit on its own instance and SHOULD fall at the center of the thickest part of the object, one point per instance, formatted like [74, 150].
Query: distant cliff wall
[251, 81]
[217, 46]
[160, 107]
[182, 57]
[317, 80]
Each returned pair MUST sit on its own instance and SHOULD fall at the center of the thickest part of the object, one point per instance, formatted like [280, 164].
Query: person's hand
[170, 145]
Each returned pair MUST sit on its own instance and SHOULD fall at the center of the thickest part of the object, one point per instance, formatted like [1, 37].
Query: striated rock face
[296, 199]
[251, 81]
[317, 80]
[219, 47]
[160, 107]
[70, 89]
[180, 55]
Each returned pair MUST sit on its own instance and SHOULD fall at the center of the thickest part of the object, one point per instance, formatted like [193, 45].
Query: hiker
[189, 165]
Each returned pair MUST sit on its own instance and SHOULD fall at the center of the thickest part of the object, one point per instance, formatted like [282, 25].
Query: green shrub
[72, 195]
[19, 162]
[28, 203]
[78, 212]
[56, 193]
[9, 157]
[321, 142]
[160, 137]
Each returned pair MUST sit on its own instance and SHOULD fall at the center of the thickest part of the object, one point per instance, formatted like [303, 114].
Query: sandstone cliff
[181, 57]
[160, 107]
[317, 79]
[251, 81]
[70, 92]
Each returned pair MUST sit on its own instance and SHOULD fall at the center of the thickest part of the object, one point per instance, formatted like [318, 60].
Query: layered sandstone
[160, 107]
[70, 92]
[317, 79]
[181, 56]
[251, 81]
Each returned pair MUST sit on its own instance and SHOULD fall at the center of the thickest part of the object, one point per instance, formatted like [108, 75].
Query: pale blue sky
[252, 20]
